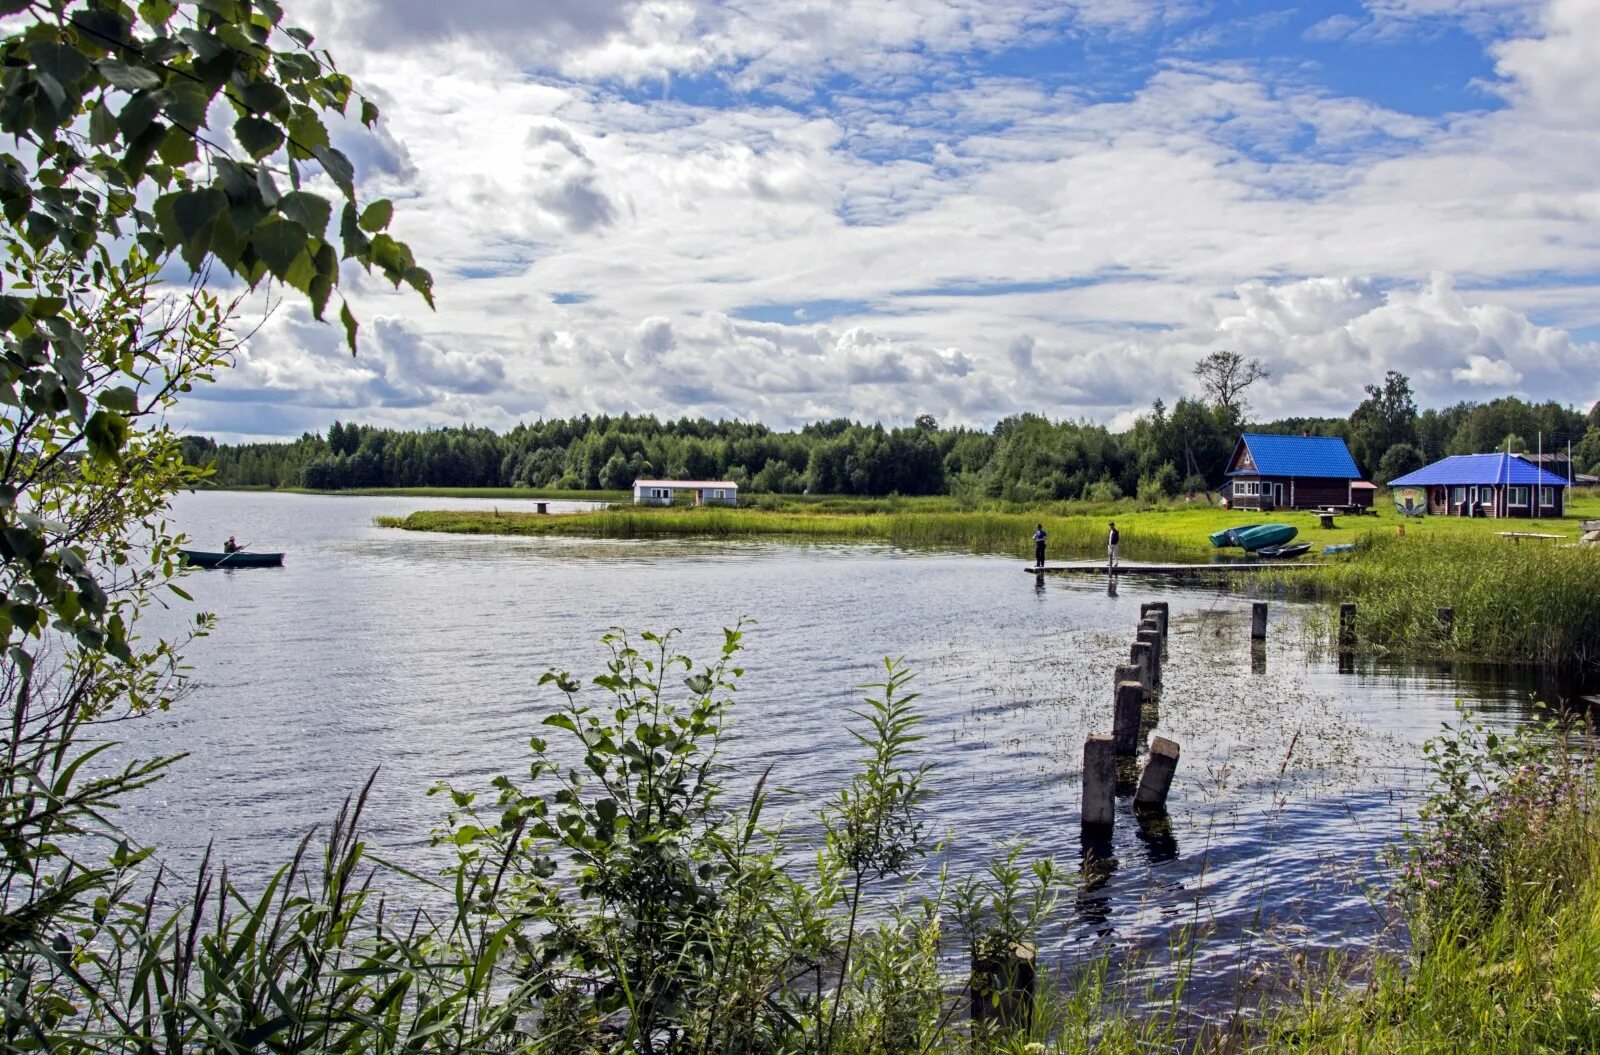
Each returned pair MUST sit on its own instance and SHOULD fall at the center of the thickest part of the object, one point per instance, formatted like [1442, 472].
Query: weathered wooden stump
[1128, 708]
[1099, 781]
[1156, 780]
[1258, 621]
[1143, 657]
[1162, 610]
[1003, 982]
[542, 507]
[1258, 657]
[1153, 639]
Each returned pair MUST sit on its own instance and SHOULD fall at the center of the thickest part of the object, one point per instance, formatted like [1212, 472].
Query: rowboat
[1261, 536]
[201, 558]
[1223, 538]
[1284, 552]
[1339, 547]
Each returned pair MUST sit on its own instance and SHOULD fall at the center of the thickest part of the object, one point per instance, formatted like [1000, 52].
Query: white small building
[705, 492]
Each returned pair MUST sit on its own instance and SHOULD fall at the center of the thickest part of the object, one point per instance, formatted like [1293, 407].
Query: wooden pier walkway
[1099, 568]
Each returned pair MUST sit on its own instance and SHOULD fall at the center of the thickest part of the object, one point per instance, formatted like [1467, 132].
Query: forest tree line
[1025, 457]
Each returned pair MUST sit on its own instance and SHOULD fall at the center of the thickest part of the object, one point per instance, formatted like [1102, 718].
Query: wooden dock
[1229, 568]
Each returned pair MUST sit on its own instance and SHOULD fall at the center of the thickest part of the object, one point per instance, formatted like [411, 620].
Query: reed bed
[1527, 602]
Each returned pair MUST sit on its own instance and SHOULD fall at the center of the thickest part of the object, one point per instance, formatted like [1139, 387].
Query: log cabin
[1294, 472]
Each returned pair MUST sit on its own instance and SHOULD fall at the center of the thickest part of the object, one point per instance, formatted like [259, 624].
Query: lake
[418, 655]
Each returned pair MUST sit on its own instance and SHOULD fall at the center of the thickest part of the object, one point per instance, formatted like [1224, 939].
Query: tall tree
[1386, 417]
[1225, 375]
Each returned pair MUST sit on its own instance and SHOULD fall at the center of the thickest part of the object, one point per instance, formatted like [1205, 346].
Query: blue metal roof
[1468, 469]
[1324, 456]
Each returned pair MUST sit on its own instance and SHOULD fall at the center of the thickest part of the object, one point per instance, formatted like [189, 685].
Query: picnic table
[1518, 536]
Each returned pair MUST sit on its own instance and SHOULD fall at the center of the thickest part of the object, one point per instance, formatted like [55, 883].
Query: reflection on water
[419, 655]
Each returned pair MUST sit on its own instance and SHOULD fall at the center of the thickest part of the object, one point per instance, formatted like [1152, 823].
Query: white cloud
[972, 244]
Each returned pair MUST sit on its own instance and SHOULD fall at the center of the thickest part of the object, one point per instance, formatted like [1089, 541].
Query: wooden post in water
[1447, 622]
[1156, 780]
[1347, 625]
[1129, 708]
[1161, 609]
[1153, 639]
[1143, 657]
[1099, 781]
[542, 507]
[1258, 621]
[1125, 672]
[1002, 987]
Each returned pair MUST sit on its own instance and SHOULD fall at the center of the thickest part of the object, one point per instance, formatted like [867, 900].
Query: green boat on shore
[201, 558]
[1262, 536]
[1224, 538]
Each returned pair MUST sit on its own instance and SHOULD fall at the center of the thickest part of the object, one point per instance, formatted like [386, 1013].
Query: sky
[791, 210]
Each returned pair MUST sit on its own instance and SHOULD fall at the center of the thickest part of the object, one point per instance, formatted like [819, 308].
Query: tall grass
[1519, 602]
[977, 532]
[1503, 897]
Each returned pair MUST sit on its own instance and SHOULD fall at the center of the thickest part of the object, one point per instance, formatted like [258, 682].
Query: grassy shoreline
[1521, 602]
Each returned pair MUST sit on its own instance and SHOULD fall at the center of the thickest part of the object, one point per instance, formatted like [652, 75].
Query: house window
[1517, 496]
[716, 492]
[1458, 495]
[660, 492]
[1247, 488]
[1547, 496]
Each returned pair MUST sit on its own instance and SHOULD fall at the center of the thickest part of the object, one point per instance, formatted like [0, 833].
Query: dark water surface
[420, 654]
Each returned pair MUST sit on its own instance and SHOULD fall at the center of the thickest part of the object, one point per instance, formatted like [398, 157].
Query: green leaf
[257, 135]
[356, 244]
[350, 325]
[106, 432]
[300, 36]
[561, 721]
[128, 78]
[376, 217]
[61, 61]
[121, 399]
[309, 210]
[369, 112]
[339, 169]
[307, 133]
[262, 97]
[178, 148]
[192, 210]
[102, 125]
[278, 243]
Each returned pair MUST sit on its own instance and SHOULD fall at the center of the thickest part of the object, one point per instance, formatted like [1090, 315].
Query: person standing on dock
[1038, 546]
[1112, 538]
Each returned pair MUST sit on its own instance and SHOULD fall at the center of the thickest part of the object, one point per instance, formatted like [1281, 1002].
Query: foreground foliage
[1502, 896]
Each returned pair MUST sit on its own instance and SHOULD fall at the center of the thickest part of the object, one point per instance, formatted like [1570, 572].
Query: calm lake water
[419, 655]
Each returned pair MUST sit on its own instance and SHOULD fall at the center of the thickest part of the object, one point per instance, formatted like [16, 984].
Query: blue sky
[970, 208]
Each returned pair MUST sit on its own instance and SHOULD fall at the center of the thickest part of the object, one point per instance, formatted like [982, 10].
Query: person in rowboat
[230, 546]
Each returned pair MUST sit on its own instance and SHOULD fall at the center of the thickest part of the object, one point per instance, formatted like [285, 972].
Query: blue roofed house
[1493, 485]
[1294, 472]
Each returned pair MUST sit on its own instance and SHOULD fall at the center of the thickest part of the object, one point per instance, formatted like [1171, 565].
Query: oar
[225, 556]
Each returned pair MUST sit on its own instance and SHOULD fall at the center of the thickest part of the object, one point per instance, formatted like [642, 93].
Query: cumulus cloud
[599, 225]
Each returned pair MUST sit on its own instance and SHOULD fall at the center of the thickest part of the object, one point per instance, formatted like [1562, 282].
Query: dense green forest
[1023, 458]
